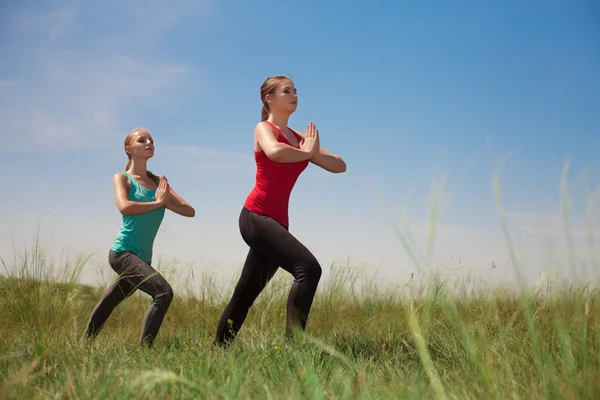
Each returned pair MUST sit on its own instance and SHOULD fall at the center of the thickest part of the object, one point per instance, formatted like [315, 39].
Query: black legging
[134, 273]
[271, 246]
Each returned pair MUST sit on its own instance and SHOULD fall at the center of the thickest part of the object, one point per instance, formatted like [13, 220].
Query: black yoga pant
[271, 246]
[134, 273]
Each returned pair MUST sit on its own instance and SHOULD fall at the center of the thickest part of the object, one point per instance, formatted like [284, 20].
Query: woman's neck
[138, 167]
[280, 120]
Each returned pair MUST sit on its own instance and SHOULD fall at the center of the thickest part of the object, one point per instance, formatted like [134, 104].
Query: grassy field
[435, 339]
[432, 341]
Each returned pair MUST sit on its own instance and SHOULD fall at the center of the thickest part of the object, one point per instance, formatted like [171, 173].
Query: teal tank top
[137, 232]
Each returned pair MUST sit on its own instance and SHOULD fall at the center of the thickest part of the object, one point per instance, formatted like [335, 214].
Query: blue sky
[405, 92]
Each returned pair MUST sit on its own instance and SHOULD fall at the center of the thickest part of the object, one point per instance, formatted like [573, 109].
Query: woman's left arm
[326, 160]
[178, 205]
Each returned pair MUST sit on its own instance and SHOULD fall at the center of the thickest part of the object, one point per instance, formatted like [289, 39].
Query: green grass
[433, 339]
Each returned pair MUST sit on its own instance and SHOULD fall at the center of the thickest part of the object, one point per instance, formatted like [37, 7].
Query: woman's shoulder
[121, 179]
[120, 176]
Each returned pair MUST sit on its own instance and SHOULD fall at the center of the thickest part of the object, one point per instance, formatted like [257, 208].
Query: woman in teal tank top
[142, 198]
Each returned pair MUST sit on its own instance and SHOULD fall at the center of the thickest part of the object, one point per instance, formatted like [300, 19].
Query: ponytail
[265, 112]
[128, 165]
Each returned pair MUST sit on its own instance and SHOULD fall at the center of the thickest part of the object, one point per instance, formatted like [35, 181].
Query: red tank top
[274, 183]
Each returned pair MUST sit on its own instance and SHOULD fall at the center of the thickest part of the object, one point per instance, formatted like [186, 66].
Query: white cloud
[50, 24]
[77, 102]
[64, 92]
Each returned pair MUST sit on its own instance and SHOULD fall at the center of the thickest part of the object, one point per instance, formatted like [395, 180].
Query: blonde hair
[268, 87]
[152, 176]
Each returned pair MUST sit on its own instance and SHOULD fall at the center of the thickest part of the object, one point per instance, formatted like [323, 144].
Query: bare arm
[277, 151]
[329, 162]
[178, 205]
[326, 160]
[126, 206]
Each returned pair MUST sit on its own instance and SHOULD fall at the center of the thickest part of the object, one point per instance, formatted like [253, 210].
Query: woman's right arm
[277, 151]
[128, 207]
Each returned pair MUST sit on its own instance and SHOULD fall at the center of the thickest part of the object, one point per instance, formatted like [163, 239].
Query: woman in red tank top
[281, 155]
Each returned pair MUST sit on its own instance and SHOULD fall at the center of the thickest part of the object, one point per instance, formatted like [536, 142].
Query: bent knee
[317, 271]
[169, 293]
[312, 269]
[165, 292]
